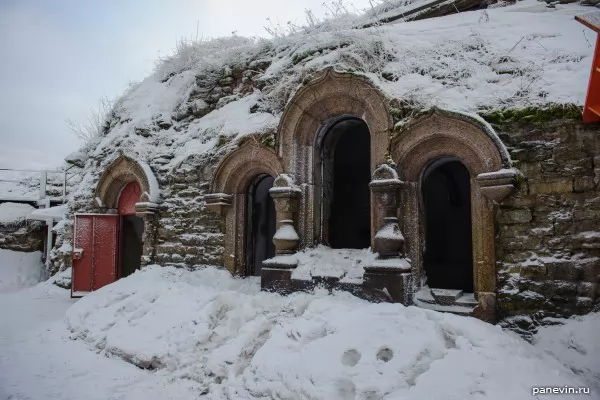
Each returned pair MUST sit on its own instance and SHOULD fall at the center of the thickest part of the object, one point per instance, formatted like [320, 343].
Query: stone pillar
[390, 271]
[490, 189]
[277, 272]
[149, 213]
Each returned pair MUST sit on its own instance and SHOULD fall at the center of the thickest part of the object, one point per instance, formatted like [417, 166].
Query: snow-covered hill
[526, 55]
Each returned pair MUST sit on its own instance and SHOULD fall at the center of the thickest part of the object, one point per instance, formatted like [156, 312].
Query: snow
[55, 213]
[19, 184]
[205, 334]
[19, 270]
[233, 120]
[153, 187]
[286, 232]
[574, 342]
[516, 57]
[345, 264]
[14, 213]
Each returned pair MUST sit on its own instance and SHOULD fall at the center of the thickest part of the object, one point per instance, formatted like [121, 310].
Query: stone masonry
[548, 231]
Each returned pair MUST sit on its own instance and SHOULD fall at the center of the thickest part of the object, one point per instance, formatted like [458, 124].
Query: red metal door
[94, 253]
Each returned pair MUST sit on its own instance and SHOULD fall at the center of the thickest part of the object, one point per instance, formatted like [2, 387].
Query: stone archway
[118, 174]
[438, 135]
[313, 110]
[229, 195]
[117, 177]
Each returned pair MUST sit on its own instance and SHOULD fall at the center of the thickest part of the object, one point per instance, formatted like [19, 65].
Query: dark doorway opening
[260, 224]
[346, 174]
[448, 258]
[132, 230]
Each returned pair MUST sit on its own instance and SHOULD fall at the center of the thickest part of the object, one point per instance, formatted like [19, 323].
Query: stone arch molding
[238, 168]
[473, 142]
[330, 94]
[329, 97]
[229, 191]
[118, 174]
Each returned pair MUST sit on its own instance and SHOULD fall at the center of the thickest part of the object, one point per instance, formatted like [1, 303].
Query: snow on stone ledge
[14, 213]
[55, 213]
[153, 187]
[230, 340]
[345, 264]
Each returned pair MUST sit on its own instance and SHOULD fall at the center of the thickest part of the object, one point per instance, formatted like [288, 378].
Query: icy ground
[206, 335]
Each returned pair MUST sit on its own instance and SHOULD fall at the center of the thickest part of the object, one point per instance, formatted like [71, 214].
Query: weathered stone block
[515, 216]
[562, 270]
[584, 183]
[533, 271]
[587, 289]
[584, 214]
[557, 186]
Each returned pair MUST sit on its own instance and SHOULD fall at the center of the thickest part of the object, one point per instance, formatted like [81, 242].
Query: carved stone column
[277, 272]
[492, 188]
[149, 213]
[390, 271]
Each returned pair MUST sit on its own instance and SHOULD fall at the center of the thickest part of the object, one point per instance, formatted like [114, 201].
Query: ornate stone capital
[498, 184]
[146, 208]
[218, 203]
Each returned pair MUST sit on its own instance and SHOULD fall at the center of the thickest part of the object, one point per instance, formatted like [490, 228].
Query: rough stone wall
[188, 234]
[27, 236]
[548, 231]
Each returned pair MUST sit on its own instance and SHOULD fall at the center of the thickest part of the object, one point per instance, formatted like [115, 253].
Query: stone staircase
[447, 300]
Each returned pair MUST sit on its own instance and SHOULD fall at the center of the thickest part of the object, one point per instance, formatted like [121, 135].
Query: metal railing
[36, 181]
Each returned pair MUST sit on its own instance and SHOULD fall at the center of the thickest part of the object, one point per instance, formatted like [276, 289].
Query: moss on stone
[222, 140]
[531, 115]
[267, 139]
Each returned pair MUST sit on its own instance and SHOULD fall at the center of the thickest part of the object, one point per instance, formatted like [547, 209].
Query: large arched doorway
[346, 173]
[448, 252]
[131, 231]
[260, 224]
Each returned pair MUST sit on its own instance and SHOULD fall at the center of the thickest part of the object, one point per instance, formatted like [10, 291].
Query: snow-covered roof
[14, 213]
[525, 55]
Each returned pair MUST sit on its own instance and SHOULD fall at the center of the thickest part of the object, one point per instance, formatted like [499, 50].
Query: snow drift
[576, 343]
[234, 341]
[14, 214]
[19, 270]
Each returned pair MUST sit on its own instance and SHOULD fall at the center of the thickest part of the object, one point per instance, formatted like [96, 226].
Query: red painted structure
[96, 251]
[591, 111]
[130, 195]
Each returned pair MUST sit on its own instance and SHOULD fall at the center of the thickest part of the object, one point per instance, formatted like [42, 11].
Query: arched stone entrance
[448, 250]
[117, 190]
[260, 226]
[131, 231]
[345, 174]
[118, 237]
[446, 135]
[232, 183]
[316, 108]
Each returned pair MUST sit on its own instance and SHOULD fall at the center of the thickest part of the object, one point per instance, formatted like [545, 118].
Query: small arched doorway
[346, 173]
[260, 227]
[131, 231]
[448, 250]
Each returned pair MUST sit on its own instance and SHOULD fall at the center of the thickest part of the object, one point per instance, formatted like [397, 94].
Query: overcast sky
[59, 57]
